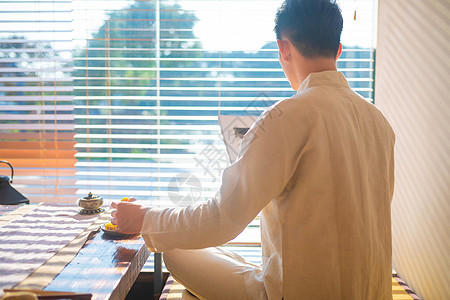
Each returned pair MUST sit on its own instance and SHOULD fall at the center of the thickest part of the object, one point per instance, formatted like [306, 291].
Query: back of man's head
[313, 26]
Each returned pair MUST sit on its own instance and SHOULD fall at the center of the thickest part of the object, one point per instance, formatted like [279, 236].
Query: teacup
[90, 203]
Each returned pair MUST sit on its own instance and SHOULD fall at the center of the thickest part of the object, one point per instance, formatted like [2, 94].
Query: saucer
[114, 233]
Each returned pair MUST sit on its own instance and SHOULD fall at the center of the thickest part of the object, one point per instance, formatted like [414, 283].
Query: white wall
[413, 90]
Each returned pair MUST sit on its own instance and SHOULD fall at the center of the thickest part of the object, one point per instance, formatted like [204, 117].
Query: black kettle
[8, 194]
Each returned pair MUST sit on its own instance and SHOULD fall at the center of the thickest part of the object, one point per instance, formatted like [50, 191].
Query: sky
[227, 28]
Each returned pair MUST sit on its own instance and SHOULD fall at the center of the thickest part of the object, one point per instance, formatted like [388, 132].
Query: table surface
[105, 267]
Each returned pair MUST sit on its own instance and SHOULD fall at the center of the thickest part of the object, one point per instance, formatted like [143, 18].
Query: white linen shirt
[320, 167]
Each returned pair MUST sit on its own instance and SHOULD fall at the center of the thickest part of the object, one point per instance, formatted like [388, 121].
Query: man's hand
[128, 216]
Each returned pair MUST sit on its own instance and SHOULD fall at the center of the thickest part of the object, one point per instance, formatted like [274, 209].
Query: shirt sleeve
[267, 160]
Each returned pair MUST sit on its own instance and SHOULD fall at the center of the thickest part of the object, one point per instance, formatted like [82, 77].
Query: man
[318, 166]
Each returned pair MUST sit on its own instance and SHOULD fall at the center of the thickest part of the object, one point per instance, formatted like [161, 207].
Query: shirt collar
[333, 78]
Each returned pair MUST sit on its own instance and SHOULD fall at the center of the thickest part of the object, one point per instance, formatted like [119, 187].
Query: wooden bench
[173, 290]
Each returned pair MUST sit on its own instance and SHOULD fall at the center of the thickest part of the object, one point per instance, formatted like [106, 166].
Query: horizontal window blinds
[144, 83]
[36, 98]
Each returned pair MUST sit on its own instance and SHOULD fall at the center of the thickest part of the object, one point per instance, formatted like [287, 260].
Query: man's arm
[267, 161]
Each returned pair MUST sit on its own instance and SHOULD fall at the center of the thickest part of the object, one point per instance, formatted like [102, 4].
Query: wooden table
[105, 267]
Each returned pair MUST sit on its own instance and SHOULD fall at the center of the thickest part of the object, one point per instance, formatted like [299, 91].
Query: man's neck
[308, 66]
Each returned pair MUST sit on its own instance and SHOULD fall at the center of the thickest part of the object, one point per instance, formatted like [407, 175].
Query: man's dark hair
[313, 26]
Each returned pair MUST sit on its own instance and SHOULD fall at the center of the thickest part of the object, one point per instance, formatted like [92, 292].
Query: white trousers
[215, 273]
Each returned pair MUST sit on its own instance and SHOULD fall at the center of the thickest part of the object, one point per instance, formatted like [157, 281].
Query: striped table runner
[32, 238]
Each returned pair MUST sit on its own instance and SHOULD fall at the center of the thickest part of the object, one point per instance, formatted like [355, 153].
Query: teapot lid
[90, 196]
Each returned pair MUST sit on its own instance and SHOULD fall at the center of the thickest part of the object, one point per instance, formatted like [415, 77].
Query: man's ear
[285, 50]
[339, 51]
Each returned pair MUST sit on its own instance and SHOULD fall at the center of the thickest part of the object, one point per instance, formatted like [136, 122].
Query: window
[121, 98]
